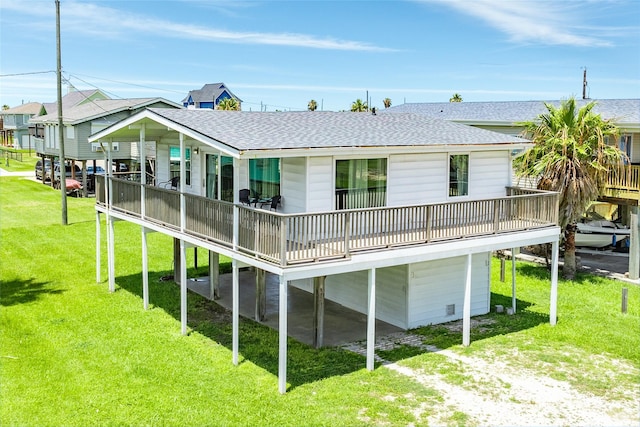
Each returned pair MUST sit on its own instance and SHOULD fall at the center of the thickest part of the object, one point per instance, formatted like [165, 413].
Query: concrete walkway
[341, 325]
[4, 172]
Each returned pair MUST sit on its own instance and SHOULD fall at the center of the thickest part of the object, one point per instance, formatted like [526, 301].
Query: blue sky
[281, 54]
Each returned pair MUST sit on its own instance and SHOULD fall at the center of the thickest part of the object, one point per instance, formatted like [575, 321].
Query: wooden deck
[288, 239]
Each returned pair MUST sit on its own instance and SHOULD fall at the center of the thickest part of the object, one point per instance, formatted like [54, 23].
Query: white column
[513, 279]
[110, 227]
[634, 244]
[98, 267]
[143, 169]
[235, 309]
[553, 306]
[111, 254]
[183, 287]
[371, 319]
[183, 183]
[466, 311]
[282, 335]
[145, 270]
[214, 275]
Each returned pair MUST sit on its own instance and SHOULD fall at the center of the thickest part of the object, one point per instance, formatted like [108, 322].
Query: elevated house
[391, 215]
[84, 118]
[623, 191]
[209, 96]
[14, 125]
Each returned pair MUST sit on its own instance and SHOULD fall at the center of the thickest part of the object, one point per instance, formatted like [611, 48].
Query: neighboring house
[392, 215]
[14, 125]
[85, 118]
[73, 98]
[209, 96]
[623, 191]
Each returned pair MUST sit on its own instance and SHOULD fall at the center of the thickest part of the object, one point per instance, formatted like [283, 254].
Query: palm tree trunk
[569, 269]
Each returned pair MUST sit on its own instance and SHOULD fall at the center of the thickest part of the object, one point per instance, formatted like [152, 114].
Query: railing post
[347, 233]
[283, 241]
[429, 222]
[496, 215]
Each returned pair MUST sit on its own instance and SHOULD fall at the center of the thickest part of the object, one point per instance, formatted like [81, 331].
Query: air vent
[451, 309]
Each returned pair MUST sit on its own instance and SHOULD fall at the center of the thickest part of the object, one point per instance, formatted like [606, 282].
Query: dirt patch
[513, 389]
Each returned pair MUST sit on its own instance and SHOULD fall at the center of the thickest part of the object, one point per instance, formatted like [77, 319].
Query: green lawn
[27, 164]
[73, 354]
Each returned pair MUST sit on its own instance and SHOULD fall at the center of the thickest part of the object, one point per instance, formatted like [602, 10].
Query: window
[71, 132]
[264, 177]
[174, 163]
[458, 175]
[361, 183]
[625, 146]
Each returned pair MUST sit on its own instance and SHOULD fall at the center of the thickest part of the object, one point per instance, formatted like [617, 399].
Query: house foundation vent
[451, 309]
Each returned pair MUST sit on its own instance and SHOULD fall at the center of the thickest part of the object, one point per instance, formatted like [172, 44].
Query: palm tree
[5, 107]
[387, 102]
[228, 104]
[312, 105]
[571, 156]
[359, 106]
[456, 98]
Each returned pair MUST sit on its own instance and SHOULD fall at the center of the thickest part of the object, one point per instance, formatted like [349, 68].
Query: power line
[27, 73]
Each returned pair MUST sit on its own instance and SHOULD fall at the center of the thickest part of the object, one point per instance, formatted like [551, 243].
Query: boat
[600, 234]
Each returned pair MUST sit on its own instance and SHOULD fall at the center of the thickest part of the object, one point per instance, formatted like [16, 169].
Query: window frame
[349, 204]
[457, 182]
[173, 171]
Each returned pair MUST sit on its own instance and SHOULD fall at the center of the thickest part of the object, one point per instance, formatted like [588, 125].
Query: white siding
[489, 173]
[293, 185]
[350, 290]
[435, 284]
[417, 179]
[320, 187]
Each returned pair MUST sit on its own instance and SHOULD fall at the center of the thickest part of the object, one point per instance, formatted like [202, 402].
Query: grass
[27, 164]
[73, 354]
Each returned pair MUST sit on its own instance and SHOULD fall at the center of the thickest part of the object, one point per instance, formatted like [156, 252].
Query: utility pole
[63, 166]
[584, 83]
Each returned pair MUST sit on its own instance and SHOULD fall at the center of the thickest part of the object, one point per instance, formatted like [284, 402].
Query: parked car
[68, 174]
[47, 168]
[99, 170]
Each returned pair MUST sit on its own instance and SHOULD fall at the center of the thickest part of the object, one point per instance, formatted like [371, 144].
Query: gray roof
[32, 108]
[99, 108]
[71, 99]
[622, 111]
[208, 93]
[245, 130]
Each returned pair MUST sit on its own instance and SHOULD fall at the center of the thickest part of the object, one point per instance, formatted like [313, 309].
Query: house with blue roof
[209, 96]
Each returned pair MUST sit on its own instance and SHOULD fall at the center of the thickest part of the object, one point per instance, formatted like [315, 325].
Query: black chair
[173, 183]
[275, 201]
[245, 193]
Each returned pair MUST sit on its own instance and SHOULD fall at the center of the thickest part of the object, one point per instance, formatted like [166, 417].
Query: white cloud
[114, 23]
[552, 23]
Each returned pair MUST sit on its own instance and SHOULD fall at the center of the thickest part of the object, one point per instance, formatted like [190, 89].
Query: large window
[361, 183]
[458, 175]
[174, 163]
[264, 177]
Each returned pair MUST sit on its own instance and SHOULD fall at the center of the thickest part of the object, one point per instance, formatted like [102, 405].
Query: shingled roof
[287, 130]
[99, 108]
[208, 93]
[621, 111]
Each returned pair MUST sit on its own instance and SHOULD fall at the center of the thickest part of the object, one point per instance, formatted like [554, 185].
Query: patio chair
[275, 201]
[245, 194]
[172, 184]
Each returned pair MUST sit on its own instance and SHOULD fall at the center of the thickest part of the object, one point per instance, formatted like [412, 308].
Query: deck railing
[286, 239]
[626, 182]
